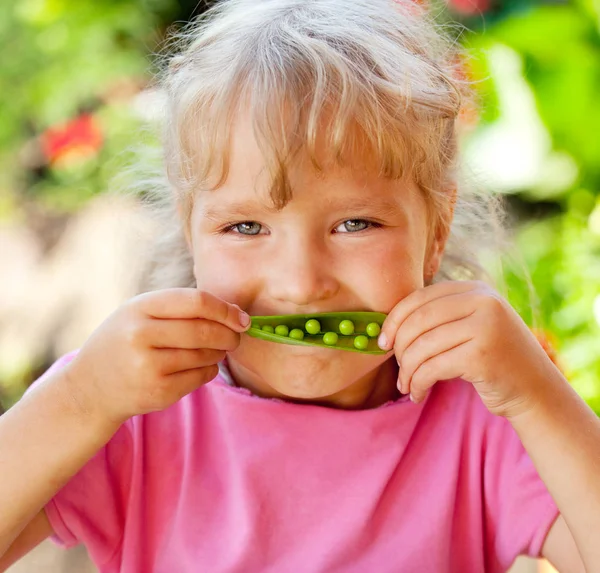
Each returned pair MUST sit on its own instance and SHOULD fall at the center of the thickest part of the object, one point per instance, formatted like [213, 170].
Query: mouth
[350, 331]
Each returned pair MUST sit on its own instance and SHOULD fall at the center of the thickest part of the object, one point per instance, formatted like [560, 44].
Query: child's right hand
[152, 351]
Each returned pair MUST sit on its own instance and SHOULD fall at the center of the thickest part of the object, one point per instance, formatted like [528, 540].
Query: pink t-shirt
[224, 481]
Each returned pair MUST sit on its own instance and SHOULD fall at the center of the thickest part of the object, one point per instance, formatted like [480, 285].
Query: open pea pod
[354, 331]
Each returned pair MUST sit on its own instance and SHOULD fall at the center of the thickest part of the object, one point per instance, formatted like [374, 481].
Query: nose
[302, 273]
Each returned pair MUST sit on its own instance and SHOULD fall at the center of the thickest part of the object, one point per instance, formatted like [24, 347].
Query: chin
[307, 388]
[302, 372]
[308, 375]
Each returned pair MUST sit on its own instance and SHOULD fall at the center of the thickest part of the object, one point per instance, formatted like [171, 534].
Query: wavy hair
[375, 76]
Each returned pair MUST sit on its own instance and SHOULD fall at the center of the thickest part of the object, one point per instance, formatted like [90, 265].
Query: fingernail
[382, 341]
[244, 319]
[413, 399]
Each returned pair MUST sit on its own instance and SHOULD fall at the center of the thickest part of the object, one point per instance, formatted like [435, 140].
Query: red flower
[469, 113]
[469, 7]
[81, 138]
[548, 343]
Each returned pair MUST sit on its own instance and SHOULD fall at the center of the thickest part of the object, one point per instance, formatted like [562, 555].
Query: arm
[562, 437]
[44, 440]
[466, 330]
[148, 354]
[35, 532]
[560, 550]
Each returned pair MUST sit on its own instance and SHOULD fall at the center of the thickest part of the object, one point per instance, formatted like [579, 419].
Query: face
[347, 241]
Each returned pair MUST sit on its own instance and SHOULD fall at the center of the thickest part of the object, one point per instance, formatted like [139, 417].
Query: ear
[440, 237]
[185, 219]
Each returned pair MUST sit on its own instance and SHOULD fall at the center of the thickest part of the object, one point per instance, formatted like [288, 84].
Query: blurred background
[76, 95]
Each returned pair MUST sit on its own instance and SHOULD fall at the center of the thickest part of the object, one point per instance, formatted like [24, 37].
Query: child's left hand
[460, 329]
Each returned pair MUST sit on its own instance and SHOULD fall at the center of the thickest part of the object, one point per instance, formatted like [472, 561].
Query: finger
[432, 315]
[186, 382]
[192, 303]
[431, 344]
[190, 334]
[439, 368]
[416, 300]
[173, 360]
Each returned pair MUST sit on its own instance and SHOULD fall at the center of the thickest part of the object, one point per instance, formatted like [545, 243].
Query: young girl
[311, 152]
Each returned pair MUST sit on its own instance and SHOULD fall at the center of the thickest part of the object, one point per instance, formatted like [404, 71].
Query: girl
[311, 152]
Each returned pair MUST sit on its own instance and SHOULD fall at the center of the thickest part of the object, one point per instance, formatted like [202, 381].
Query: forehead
[357, 175]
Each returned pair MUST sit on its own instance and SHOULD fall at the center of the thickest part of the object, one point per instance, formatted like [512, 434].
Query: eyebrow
[249, 209]
[237, 209]
[371, 205]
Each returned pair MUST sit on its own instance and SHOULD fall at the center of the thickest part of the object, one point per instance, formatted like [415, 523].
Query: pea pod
[363, 337]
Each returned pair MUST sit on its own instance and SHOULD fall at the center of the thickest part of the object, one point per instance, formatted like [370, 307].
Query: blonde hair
[377, 76]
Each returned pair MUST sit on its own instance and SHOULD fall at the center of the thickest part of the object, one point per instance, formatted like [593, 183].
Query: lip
[301, 351]
[305, 311]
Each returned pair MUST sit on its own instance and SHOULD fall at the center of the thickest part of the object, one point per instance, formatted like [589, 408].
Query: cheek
[227, 276]
[392, 274]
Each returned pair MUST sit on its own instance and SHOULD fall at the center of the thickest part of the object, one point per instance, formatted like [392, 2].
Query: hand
[460, 329]
[152, 351]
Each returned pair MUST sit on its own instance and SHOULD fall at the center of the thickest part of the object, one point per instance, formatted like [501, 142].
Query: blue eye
[354, 225]
[246, 228]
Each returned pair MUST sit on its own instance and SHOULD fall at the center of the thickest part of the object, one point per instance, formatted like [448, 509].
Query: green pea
[361, 342]
[297, 334]
[282, 330]
[346, 327]
[324, 329]
[373, 329]
[330, 338]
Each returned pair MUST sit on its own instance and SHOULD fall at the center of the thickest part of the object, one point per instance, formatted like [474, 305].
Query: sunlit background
[75, 85]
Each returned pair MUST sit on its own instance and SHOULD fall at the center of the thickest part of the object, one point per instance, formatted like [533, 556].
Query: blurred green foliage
[58, 59]
[559, 49]
[61, 58]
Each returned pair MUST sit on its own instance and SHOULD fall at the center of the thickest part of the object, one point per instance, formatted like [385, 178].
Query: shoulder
[166, 429]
